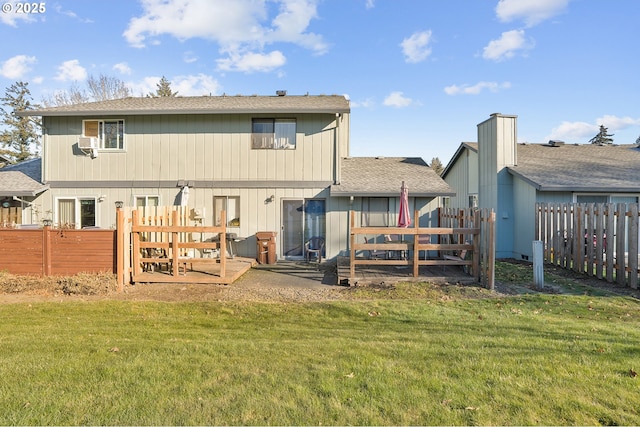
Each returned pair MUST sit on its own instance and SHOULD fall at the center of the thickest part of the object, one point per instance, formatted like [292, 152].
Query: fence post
[492, 251]
[46, 250]
[633, 245]
[538, 269]
[120, 230]
[620, 249]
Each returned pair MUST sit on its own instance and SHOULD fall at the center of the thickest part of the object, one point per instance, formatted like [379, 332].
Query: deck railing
[470, 243]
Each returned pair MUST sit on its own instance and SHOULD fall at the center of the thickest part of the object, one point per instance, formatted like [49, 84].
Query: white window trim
[293, 146]
[146, 199]
[76, 200]
[124, 133]
[226, 208]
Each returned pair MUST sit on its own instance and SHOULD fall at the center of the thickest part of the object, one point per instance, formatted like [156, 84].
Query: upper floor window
[110, 133]
[273, 133]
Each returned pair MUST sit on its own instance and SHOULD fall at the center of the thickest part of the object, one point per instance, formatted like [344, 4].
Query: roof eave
[24, 193]
[133, 112]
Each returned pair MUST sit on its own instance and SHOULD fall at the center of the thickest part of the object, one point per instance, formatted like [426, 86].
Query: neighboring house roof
[579, 167]
[383, 176]
[473, 146]
[22, 179]
[201, 105]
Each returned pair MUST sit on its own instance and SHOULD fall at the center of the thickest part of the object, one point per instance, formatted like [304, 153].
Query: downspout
[338, 157]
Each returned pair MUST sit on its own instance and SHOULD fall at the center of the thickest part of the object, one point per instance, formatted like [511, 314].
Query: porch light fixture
[119, 204]
[6, 204]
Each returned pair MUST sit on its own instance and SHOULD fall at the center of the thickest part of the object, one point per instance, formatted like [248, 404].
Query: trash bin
[266, 247]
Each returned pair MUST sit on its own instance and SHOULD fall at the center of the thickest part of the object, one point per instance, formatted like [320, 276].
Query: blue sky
[420, 74]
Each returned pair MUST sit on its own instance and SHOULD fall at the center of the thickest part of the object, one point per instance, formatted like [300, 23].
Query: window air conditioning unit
[87, 143]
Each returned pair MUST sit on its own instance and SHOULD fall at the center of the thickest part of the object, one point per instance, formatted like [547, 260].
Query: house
[20, 185]
[510, 177]
[273, 163]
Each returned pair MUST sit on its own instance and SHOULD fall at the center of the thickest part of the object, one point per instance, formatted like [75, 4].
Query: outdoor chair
[424, 239]
[376, 253]
[314, 247]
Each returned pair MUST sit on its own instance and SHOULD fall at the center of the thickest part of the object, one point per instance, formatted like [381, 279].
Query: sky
[420, 74]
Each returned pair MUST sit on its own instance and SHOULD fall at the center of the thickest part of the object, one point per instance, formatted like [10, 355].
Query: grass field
[412, 355]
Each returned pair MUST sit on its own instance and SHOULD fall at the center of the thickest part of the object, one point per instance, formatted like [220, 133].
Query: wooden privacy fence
[48, 251]
[464, 238]
[162, 236]
[9, 217]
[600, 240]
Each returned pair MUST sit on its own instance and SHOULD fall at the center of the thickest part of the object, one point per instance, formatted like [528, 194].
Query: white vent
[87, 143]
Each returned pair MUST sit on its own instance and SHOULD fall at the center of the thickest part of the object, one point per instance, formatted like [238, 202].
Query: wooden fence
[164, 236]
[464, 238]
[9, 217]
[600, 240]
[48, 251]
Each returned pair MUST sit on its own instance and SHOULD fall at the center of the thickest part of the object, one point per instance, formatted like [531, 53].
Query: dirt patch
[304, 285]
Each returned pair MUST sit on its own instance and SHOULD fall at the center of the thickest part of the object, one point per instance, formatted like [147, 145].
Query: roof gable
[22, 179]
[383, 176]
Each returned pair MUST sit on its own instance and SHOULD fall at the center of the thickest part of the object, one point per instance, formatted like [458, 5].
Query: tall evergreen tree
[603, 137]
[437, 166]
[163, 89]
[20, 138]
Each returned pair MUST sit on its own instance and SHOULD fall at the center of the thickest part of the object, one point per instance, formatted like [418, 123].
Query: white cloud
[187, 85]
[195, 85]
[250, 62]
[71, 71]
[583, 131]
[416, 48]
[17, 67]
[532, 12]
[11, 17]
[189, 57]
[506, 46]
[122, 68]
[398, 100]
[363, 103]
[476, 89]
[370, 4]
[617, 123]
[240, 27]
[71, 14]
[572, 131]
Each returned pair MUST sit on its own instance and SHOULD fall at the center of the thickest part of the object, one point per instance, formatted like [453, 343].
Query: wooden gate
[162, 244]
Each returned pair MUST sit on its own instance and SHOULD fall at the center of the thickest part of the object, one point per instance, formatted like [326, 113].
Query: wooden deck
[201, 273]
[368, 274]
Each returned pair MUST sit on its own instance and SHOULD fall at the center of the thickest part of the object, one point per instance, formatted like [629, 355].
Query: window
[473, 201]
[279, 134]
[110, 133]
[76, 213]
[142, 201]
[229, 204]
[446, 202]
[375, 212]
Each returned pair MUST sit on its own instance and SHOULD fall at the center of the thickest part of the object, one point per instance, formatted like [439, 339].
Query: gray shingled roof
[22, 179]
[201, 105]
[383, 176]
[583, 167]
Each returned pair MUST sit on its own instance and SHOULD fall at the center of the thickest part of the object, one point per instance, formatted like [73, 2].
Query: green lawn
[401, 357]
